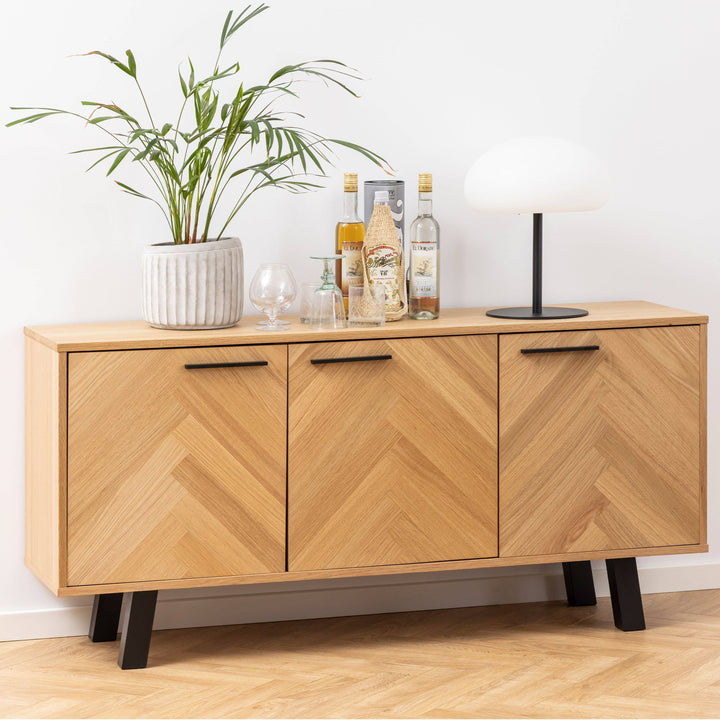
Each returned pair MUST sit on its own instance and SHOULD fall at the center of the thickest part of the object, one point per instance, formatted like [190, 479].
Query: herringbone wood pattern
[176, 473]
[543, 660]
[411, 473]
[601, 449]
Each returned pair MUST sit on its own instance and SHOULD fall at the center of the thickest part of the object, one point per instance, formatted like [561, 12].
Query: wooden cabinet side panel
[702, 365]
[45, 463]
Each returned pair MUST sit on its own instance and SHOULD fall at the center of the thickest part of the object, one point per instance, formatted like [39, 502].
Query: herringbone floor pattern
[535, 660]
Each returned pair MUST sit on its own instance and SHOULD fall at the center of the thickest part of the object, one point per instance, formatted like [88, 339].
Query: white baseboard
[360, 596]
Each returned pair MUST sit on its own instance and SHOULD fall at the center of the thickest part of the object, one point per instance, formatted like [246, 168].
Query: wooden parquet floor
[535, 660]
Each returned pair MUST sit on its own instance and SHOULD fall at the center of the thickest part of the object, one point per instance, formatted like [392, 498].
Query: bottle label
[423, 270]
[383, 265]
[352, 272]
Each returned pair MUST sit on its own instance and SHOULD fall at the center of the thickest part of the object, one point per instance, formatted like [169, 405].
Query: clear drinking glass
[306, 295]
[366, 306]
[272, 289]
[327, 310]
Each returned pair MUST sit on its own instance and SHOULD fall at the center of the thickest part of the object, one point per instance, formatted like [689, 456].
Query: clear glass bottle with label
[349, 237]
[424, 265]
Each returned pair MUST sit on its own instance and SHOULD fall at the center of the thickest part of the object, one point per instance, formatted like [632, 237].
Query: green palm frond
[210, 152]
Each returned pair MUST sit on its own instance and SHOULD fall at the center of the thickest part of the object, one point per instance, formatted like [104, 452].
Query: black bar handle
[573, 348]
[200, 366]
[359, 358]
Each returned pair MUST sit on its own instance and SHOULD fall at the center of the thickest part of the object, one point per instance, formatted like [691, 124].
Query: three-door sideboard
[160, 459]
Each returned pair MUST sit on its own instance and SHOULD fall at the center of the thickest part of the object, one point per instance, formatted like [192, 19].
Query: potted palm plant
[202, 168]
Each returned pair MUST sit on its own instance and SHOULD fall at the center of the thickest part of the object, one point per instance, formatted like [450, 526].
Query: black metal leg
[137, 629]
[625, 594]
[579, 583]
[105, 617]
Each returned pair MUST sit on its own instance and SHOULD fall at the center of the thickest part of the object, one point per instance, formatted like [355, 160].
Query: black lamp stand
[537, 311]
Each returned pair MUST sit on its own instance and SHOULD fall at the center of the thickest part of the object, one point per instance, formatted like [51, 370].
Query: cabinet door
[175, 472]
[600, 449]
[392, 460]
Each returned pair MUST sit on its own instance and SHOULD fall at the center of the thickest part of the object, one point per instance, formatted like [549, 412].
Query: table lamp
[537, 175]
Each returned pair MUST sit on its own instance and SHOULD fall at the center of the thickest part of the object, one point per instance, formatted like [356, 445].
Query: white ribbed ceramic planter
[193, 287]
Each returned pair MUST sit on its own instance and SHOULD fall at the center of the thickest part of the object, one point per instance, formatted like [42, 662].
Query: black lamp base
[546, 313]
[538, 311]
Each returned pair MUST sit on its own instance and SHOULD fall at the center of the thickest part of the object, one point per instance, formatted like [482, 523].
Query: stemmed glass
[278, 321]
[327, 310]
[272, 289]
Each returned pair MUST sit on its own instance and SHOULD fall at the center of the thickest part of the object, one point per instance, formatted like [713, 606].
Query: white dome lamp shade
[537, 175]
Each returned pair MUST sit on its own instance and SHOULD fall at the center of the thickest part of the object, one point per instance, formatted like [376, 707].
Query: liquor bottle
[349, 236]
[383, 261]
[396, 192]
[424, 290]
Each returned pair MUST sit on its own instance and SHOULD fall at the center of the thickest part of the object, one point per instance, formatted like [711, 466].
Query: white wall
[636, 80]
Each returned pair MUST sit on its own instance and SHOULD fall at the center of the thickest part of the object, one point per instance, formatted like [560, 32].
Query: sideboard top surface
[137, 334]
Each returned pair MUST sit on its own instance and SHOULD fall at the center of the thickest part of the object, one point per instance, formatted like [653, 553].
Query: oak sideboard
[159, 459]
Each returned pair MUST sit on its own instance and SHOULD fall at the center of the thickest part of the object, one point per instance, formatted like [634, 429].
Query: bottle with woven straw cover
[383, 261]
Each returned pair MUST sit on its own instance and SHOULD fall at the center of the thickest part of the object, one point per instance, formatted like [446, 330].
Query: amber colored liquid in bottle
[349, 237]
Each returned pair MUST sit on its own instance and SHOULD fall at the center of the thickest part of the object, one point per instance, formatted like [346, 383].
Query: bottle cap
[425, 182]
[382, 196]
[350, 182]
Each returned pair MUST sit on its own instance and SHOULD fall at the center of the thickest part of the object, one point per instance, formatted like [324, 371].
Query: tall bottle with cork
[383, 259]
[349, 237]
[424, 285]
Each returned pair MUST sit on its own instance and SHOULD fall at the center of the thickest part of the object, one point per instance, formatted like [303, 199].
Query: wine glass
[272, 289]
[327, 310]
[278, 321]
